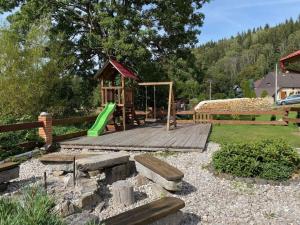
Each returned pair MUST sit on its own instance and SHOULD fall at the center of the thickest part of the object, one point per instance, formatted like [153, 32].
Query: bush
[33, 207]
[267, 159]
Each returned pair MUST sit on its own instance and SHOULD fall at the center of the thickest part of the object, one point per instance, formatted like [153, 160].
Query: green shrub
[267, 159]
[264, 94]
[33, 207]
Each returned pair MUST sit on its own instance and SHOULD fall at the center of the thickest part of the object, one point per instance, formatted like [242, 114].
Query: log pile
[238, 104]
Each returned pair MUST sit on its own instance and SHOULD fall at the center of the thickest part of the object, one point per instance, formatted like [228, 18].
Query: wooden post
[124, 103]
[169, 105]
[174, 109]
[123, 193]
[74, 172]
[45, 181]
[102, 91]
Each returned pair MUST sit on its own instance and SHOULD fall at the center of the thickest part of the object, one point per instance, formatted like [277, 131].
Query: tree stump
[123, 193]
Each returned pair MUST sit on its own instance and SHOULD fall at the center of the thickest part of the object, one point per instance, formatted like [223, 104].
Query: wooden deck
[186, 137]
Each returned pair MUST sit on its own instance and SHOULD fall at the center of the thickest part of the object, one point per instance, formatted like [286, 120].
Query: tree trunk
[123, 193]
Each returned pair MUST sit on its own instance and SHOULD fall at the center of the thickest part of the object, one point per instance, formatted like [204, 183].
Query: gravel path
[209, 199]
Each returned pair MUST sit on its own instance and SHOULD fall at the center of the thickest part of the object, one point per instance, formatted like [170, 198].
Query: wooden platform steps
[8, 171]
[159, 171]
[165, 211]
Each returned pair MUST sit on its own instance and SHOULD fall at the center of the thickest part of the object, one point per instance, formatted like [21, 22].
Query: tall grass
[33, 207]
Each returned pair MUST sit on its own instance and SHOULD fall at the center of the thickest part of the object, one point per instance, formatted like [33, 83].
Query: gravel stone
[208, 199]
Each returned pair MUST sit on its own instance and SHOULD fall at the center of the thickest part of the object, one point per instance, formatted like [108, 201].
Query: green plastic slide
[101, 121]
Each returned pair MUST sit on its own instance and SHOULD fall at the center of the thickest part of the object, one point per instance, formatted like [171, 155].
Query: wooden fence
[208, 116]
[54, 122]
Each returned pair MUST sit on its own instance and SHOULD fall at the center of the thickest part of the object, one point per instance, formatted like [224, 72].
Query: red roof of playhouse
[291, 57]
[111, 65]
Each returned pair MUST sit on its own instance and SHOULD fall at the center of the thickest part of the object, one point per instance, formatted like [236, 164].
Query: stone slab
[9, 174]
[119, 172]
[102, 161]
[168, 185]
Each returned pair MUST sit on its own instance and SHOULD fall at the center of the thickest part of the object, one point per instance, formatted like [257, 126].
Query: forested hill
[249, 55]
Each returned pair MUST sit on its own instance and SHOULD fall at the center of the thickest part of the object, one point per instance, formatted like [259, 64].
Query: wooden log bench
[159, 171]
[165, 211]
[9, 171]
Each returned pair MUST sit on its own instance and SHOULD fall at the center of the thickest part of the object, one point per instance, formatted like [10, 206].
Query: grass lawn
[235, 133]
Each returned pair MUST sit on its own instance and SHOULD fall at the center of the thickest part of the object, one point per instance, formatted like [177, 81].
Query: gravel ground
[208, 199]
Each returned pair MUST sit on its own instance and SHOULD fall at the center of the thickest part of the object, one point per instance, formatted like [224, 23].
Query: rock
[141, 180]
[67, 167]
[87, 185]
[88, 200]
[58, 173]
[7, 175]
[68, 180]
[81, 219]
[132, 168]
[94, 173]
[99, 207]
[169, 185]
[3, 187]
[102, 161]
[158, 191]
[65, 208]
[81, 174]
[113, 174]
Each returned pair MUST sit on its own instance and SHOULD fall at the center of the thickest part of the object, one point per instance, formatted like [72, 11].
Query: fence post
[45, 132]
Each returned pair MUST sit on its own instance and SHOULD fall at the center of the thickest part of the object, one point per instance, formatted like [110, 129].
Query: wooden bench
[8, 171]
[165, 211]
[159, 171]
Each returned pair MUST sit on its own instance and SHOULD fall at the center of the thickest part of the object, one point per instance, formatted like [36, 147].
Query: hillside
[247, 56]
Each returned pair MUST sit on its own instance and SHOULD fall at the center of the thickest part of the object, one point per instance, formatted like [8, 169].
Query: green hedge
[267, 159]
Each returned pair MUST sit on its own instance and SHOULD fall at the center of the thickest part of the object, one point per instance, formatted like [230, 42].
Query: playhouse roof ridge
[123, 70]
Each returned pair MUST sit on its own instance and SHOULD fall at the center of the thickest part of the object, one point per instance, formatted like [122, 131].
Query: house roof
[295, 56]
[111, 67]
[285, 80]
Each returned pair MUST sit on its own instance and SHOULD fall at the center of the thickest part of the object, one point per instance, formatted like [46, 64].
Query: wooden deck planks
[186, 136]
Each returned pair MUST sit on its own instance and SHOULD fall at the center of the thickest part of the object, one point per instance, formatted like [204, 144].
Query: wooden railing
[20, 126]
[73, 120]
[23, 126]
[114, 94]
[207, 116]
[54, 122]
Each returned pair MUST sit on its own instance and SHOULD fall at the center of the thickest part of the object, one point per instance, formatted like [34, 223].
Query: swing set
[171, 102]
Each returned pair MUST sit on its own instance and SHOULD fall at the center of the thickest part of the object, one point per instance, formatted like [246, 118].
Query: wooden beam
[292, 120]
[244, 122]
[20, 126]
[216, 112]
[69, 136]
[173, 109]
[154, 83]
[123, 99]
[73, 120]
[169, 105]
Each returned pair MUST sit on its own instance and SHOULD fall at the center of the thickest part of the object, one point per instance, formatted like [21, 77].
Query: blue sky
[225, 18]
